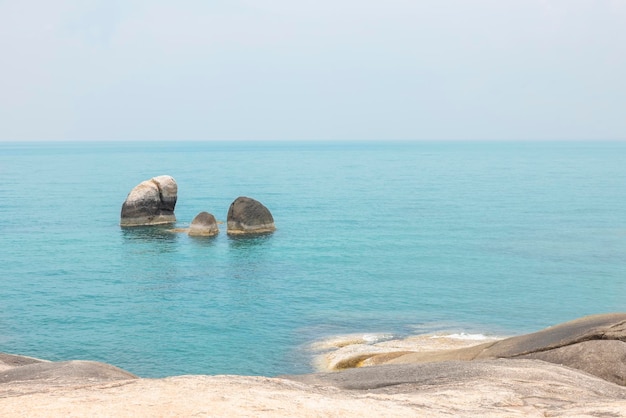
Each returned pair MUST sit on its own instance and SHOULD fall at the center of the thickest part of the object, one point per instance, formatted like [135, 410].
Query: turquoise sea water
[496, 238]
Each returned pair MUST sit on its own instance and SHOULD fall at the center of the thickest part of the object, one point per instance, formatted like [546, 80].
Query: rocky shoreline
[572, 369]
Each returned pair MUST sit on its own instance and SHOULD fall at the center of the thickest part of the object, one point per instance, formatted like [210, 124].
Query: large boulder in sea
[249, 216]
[203, 225]
[151, 202]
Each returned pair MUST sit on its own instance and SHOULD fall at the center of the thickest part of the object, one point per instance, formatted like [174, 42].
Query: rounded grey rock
[203, 225]
[65, 372]
[249, 216]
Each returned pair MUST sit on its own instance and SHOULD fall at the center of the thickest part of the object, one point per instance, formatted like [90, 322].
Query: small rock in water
[203, 225]
[249, 216]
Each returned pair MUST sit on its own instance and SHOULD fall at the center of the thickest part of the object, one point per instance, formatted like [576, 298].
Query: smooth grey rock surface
[603, 358]
[594, 344]
[64, 372]
[8, 361]
[249, 216]
[151, 202]
[407, 378]
[596, 327]
[203, 225]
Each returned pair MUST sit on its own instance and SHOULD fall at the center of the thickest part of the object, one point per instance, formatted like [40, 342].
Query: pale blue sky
[312, 69]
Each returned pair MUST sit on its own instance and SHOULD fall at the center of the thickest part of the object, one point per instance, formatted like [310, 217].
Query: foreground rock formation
[203, 225]
[494, 387]
[249, 216]
[490, 388]
[151, 202]
[594, 344]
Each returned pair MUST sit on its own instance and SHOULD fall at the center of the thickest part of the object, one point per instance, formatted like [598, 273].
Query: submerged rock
[249, 216]
[203, 225]
[151, 202]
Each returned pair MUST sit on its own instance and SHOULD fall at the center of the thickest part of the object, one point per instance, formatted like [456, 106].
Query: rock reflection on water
[203, 240]
[248, 241]
[161, 238]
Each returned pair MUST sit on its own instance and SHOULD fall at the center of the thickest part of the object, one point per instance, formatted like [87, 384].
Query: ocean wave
[464, 336]
[358, 350]
[339, 341]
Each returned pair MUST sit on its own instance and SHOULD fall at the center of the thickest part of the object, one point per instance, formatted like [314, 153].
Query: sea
[396, 238]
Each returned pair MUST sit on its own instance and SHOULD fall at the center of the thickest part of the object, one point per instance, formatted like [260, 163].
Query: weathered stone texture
[152, 202]
[203, 225]
[249, 216]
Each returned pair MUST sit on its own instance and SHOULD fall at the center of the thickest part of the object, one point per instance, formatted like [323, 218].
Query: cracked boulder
[151, 202]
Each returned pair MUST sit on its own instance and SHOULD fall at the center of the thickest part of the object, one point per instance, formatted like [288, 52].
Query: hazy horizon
[344, 70]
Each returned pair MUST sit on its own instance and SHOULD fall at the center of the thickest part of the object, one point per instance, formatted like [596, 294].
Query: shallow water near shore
[380, 238]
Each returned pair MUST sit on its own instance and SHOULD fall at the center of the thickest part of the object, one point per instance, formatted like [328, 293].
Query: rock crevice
[151, 202]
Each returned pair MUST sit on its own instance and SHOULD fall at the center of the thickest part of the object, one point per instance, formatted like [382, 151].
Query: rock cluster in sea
[152, 202]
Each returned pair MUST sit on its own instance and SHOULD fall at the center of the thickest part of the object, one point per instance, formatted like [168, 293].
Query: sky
[312, 70]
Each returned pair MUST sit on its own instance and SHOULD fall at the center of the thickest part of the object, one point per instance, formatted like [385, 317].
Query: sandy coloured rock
[491, 388]
[519, 386]
[595, 344]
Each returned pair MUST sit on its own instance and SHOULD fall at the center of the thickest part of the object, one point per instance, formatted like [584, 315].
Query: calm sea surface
[403, 238]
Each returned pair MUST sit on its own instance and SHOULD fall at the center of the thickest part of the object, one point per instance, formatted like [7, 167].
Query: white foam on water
[464, 336]
[352, 350]
[339, 341]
